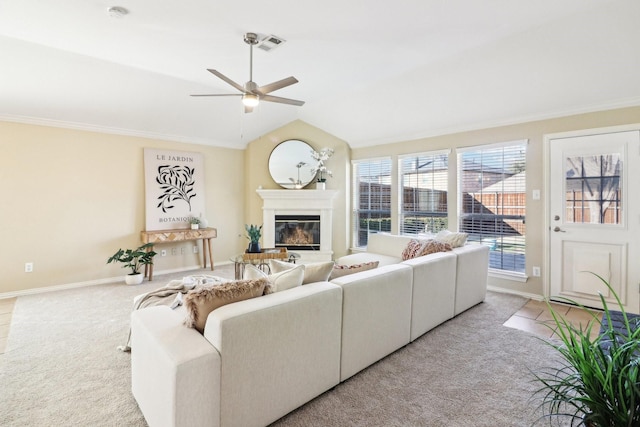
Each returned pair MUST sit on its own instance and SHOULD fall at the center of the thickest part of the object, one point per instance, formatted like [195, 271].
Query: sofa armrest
[472, 270]
[175, 372]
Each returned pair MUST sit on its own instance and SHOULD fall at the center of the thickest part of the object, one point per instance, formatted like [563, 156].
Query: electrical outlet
[182, 250]
[28, 267]
[195, 249]
[174, 251]
[536, 271]
[163, 252]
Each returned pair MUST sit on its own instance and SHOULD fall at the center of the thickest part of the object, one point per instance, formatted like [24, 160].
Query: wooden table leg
[204, 253]
[210, 252]
[148, 268]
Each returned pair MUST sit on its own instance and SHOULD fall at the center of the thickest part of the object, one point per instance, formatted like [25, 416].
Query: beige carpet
[62, 368]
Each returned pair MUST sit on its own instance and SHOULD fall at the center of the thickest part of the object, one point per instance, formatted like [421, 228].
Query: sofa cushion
[201, 301]
[455, 239]
[281, 281]
[313, 272]
[343, 270]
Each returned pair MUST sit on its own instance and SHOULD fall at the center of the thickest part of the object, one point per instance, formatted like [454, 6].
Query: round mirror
[290, 164]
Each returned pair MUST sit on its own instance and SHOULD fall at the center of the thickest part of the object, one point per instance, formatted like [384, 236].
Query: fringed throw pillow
[201, 301]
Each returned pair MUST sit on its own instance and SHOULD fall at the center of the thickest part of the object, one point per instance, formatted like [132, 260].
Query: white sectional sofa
[261, 358]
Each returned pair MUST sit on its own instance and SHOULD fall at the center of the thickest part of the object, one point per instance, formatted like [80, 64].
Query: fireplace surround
[313, 207]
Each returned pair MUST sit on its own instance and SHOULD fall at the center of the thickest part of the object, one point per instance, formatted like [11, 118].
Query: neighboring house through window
[423, 192]
[371, 198]
[492, 202]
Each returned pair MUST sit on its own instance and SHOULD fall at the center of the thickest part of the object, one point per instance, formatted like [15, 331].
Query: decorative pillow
[433, 246]
[343, 270]
[313, 272]
[279, 281]
[413, 249]
[201, 301]
[287, 279]
[454, 239]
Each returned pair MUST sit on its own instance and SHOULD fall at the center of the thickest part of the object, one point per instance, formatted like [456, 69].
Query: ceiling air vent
[270, 42]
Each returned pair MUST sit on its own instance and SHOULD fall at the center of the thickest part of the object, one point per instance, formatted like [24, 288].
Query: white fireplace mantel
[299, 202]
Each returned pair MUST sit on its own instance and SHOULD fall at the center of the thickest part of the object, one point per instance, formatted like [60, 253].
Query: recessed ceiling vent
[270, 42]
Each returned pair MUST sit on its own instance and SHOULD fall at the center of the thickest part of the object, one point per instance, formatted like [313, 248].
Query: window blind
[492, 201]
[423, 192]
[371, 198]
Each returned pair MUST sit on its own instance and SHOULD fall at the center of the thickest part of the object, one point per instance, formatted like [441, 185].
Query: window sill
[508, 275]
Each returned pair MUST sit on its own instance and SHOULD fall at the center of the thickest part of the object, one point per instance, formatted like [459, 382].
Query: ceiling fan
[252, 94]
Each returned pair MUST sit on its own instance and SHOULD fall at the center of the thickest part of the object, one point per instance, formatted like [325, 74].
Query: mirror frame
[290, 164]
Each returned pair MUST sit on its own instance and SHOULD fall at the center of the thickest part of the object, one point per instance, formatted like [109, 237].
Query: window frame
[511, 274]
[355, 201]
[402, 214]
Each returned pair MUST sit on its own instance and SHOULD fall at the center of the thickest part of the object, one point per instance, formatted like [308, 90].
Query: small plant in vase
[253, 234]
[320, 169]
[195, 222]
[134, 259]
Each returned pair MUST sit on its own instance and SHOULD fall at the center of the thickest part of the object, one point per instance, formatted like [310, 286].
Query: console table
[169, 236]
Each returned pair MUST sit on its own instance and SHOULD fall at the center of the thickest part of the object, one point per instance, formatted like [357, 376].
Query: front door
[594, 204]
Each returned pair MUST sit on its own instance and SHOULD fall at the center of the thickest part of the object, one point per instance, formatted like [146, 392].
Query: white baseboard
[512, 292]
[104, 281]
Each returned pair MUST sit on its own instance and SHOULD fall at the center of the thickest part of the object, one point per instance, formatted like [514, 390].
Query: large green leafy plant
[598, 382]
[134, 258]
[253, 232]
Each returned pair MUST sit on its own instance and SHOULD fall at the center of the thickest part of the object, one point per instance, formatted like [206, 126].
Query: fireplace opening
[301, 232]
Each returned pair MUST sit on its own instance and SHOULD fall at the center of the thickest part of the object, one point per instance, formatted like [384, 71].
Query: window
[371, 198]
[492, 201]
[423, 192]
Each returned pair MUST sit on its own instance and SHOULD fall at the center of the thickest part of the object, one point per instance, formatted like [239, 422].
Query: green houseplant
[253, 234]
[598, 381]
[134, 259]
[195, 222]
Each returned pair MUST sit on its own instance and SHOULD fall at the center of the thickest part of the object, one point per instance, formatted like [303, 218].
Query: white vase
[320, 185]
[203, 222]
[133, 279]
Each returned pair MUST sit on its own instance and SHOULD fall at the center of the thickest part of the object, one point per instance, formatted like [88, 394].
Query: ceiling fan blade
[226, 79]
[277, 85]
[280, 100]
[218, 94]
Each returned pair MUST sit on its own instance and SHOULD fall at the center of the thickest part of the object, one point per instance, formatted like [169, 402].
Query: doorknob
[557, 229]
[556, 218]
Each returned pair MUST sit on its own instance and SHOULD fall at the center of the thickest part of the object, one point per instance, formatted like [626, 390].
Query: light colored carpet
[61, 367]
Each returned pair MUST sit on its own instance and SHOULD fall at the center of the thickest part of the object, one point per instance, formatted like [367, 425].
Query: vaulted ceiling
[370, 72]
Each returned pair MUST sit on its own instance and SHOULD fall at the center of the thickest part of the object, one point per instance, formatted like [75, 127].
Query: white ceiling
[370, 73]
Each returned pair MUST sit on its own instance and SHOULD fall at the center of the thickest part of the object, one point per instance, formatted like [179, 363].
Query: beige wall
[257, 174]
[534, 132]
[71, 198]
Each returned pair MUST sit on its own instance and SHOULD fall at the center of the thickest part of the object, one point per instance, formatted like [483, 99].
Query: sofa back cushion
[201, 301]
[387, 244]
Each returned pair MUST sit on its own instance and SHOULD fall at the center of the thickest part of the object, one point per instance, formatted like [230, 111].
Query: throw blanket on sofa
[171, 295]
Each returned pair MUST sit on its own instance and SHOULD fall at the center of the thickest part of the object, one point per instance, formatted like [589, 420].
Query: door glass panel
[593, 189]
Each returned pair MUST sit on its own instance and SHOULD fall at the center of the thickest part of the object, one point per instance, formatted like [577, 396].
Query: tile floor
[534, 315]
[531, 318]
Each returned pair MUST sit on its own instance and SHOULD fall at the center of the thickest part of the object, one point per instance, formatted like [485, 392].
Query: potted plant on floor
[253, 234]
[598, 381]
[134, 259]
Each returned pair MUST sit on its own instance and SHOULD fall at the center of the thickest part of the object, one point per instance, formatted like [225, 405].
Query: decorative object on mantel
[320, 169]
[286, 163]
[195, 222]
[134, 259]
[253, 234]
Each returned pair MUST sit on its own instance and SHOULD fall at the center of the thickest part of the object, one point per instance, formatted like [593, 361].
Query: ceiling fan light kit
[251, 93]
